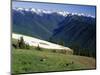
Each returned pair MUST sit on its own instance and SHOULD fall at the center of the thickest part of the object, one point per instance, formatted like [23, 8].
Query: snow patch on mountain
[43, 11]
[42, 43]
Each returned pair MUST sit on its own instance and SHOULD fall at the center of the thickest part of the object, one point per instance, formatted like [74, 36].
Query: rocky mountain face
[77, 31]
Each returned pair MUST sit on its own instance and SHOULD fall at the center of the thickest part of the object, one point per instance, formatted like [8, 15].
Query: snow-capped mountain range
[57, 26]
[43, 11]
[36, 22]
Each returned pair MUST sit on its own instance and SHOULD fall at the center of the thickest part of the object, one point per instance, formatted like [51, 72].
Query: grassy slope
[24, 61]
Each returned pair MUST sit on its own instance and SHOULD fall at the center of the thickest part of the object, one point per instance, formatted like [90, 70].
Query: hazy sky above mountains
[87, 10]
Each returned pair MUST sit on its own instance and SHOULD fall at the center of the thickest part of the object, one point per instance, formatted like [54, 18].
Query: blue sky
[87, 10]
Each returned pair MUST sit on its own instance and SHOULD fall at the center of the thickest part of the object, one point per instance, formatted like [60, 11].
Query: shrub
[27, 46]
[13, 45]
[38, 48]
[63, 51]
[54, 51]
[61, 43]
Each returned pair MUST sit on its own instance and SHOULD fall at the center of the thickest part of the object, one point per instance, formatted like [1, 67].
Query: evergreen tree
[21, 43]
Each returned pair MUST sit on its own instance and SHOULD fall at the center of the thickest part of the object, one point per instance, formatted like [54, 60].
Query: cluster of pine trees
[21, 44]
[77, 49]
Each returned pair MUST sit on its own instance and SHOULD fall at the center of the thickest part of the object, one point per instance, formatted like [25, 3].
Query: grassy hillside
[33, 60]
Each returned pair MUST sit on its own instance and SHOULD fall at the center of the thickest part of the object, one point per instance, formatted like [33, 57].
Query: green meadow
[44, 60]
